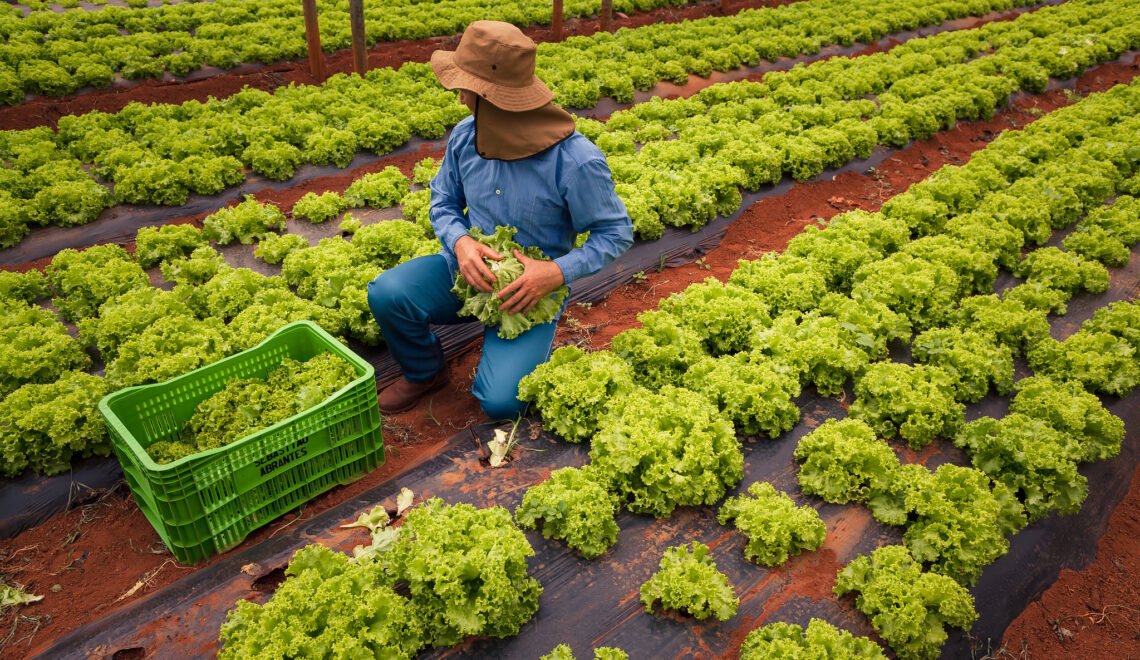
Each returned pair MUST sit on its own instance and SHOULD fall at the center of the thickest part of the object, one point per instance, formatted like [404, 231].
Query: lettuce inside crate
[210, 501]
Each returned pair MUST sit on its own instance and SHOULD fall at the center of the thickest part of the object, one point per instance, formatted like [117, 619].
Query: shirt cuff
[451, 235]
[571, 266]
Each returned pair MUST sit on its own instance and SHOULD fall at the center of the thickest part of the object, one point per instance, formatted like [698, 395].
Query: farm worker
[518, 161]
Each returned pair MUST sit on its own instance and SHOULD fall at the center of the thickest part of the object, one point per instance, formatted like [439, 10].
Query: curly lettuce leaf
[319, 208]
[922, 290]
[273, 248]
[660, 451]
[1069, 409]
[574, 389]
[171, 346]
[660, 351]
[46, 426]
[974, 360]
[819, 640]
[465, 570]
[154, 245]
[37, 347]
[757, 394]
[202, 264]
[1031, 458]
[392, 242]
[842, 461]
[84, 280]
[784, 282]
[1009, 321]
[688, 580]
[910, 609]
[916, 403]
[378, 189]
[957, 524]
[486, 306]
[327, 602]
[776, 528]
[28, 286]
[819, 350]
[1100, 361]
[245, 222]
[127, 315]
[726, 317]
[573, 506]
[1062, 270]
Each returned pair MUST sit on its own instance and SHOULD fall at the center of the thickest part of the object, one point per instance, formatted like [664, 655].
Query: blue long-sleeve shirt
[550, 198]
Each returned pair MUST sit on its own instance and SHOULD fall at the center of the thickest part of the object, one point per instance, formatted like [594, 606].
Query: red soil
[46, 110]
[83, 550]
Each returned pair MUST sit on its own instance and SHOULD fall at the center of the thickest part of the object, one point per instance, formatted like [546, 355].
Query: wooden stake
[556, 20]
[313, 39]
[359, 46]
[606, 15]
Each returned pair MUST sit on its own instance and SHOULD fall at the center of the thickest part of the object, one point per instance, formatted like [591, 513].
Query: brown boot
[404, 395]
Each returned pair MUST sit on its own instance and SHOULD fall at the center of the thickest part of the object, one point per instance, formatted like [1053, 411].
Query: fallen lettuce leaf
[373, 520]
[404, 501]
[15, 596]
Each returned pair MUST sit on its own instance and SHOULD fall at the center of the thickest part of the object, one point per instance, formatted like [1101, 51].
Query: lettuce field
[865, 386]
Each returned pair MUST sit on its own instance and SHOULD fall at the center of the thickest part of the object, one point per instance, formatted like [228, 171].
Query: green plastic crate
[210, 501]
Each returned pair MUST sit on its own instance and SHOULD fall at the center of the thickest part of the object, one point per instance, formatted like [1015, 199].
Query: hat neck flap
[503, 135]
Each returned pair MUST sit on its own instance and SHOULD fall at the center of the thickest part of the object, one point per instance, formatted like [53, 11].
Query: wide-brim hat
[496, 61]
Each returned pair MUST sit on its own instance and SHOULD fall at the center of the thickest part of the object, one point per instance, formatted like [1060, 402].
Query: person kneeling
[517, 161]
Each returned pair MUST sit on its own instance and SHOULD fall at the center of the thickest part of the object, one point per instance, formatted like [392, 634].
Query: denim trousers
[407, 299]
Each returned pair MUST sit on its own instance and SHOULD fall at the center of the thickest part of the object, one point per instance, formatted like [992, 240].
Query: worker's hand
[538, 280]
[470, 254]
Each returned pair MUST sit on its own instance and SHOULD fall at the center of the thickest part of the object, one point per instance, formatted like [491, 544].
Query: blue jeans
[407, 298]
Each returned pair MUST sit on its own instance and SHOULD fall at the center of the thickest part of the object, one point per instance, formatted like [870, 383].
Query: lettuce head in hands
[486, 307]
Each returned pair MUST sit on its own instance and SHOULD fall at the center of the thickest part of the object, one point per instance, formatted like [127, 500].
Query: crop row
[662, 408]
[823, 314]
[681, 162]
[58, 53]
[673, 161]
[143, 333]
[825, 311]
[161, 154]
[37, 5]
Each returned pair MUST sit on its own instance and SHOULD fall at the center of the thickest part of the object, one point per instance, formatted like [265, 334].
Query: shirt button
[498, 192]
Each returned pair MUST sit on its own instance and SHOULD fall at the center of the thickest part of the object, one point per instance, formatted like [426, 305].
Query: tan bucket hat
[496, 61]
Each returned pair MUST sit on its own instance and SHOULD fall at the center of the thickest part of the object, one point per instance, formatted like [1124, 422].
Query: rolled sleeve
[594, 207]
